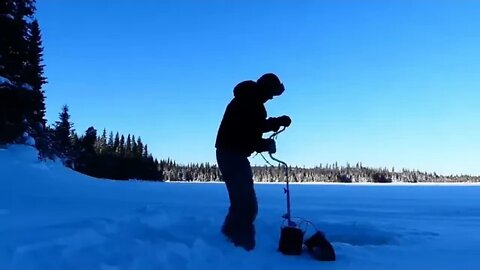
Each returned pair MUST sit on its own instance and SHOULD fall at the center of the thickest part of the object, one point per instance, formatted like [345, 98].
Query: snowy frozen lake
[54, 218]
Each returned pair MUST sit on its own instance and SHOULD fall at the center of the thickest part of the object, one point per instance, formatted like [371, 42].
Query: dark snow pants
[238, 177]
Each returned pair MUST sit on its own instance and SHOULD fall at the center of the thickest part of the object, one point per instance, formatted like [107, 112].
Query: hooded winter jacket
[244, 121]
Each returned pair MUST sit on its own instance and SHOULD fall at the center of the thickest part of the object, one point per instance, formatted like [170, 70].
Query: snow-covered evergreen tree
[62, 135]
[21, 69]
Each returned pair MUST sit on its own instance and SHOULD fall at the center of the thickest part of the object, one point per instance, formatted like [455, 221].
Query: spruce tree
[140, 148]
[145, 152]
[14, 30]
[14, 38]
[88, 141]
[103, 142]
[62, 135]
[36, 79]
[86, 158]
[134, 147]
[75, 150]
[8, 36]
[110, 142]
[121, 146]
[116, 143]
[35, 74]
[128, 147]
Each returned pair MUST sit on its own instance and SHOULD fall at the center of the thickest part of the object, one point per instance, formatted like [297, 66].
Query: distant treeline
[114, 157]
[326, 173]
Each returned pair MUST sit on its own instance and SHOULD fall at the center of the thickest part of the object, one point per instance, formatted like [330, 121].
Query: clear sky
[387, 83]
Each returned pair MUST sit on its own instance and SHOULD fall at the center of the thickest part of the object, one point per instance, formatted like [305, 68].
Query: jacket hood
[246, 89]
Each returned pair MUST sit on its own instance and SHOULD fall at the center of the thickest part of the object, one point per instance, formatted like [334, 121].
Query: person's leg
[245, 234]
[226, 165]
[229, 223]
[239, 222]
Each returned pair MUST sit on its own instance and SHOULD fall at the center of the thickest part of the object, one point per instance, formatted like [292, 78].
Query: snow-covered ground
[54, 218]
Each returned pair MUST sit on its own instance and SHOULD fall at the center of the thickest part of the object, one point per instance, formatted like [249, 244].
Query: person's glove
[270, 146]
[274, 123]
[284, 121]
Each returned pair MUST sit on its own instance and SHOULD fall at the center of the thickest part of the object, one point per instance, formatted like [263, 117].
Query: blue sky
[387, 83]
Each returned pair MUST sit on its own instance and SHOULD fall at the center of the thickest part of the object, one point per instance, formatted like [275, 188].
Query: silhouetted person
[240, 134]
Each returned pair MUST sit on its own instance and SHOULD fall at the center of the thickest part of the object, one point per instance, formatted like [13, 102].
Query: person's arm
[274, 123]
[271, 124]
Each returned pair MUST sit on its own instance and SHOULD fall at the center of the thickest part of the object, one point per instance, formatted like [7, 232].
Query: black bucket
[320, 247]
[291, 241]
